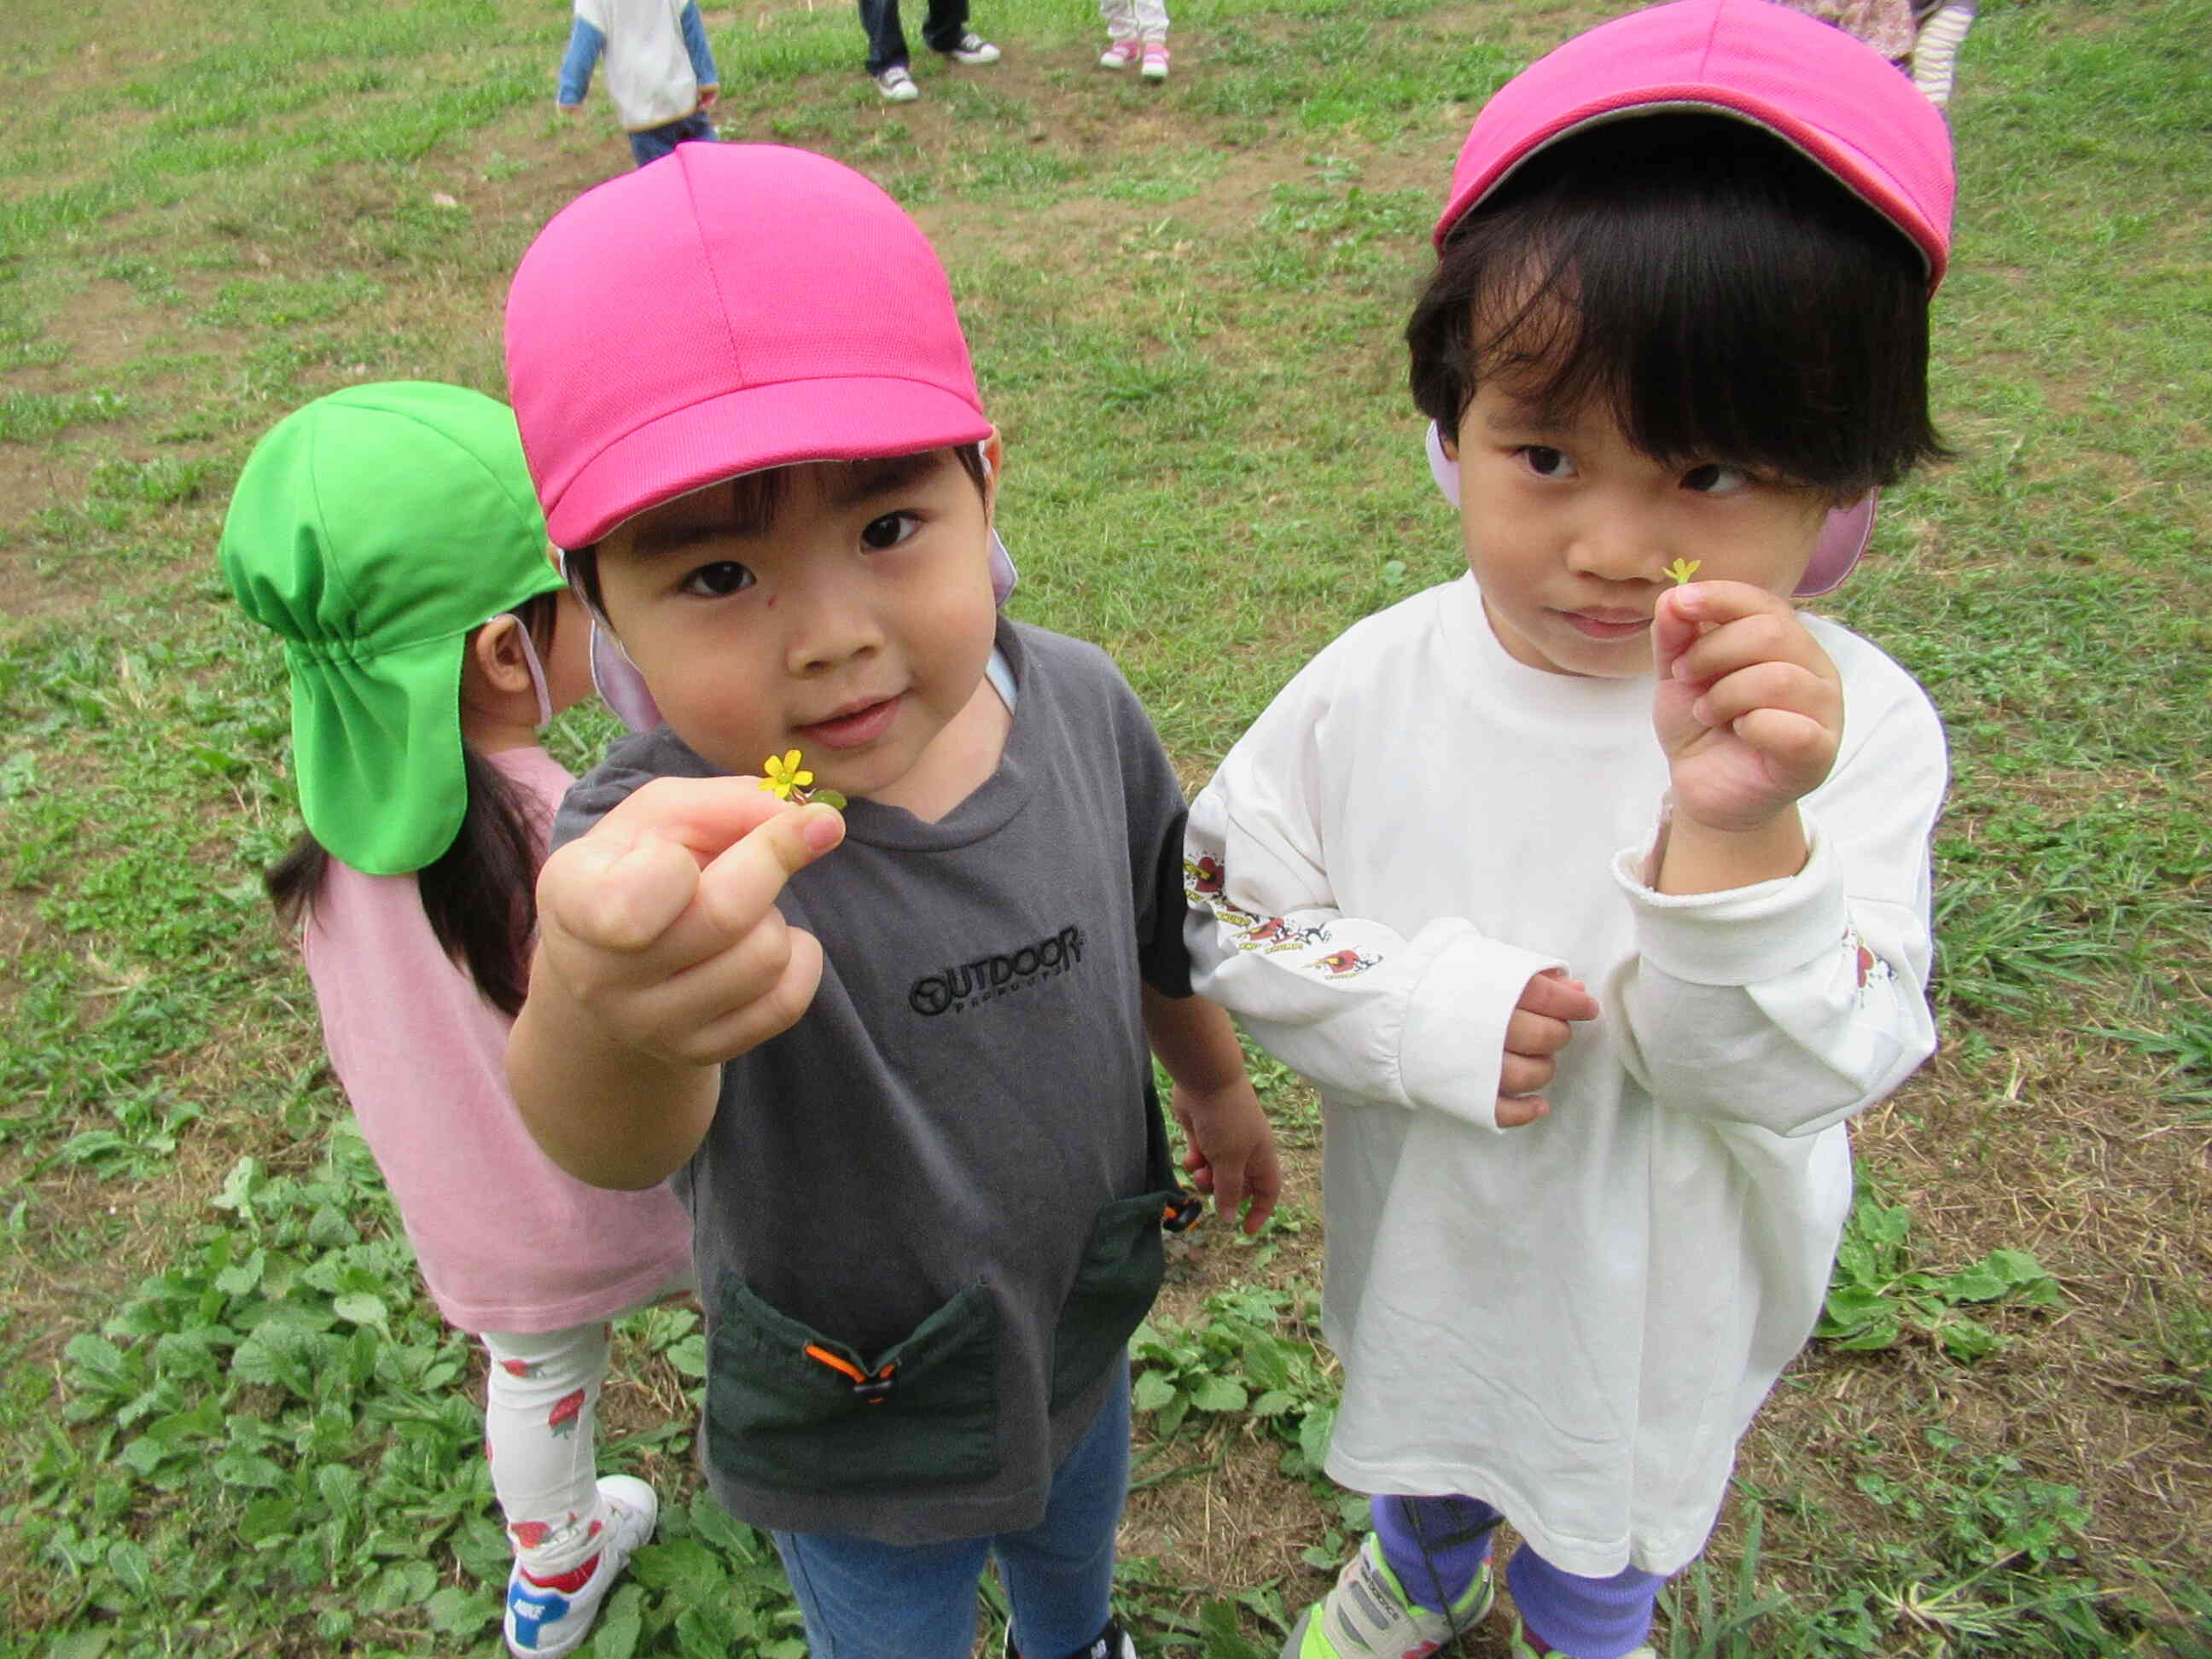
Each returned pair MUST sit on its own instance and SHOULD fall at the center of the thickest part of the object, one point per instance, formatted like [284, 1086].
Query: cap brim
[376, 749]
[1829, 96]
[753, 429]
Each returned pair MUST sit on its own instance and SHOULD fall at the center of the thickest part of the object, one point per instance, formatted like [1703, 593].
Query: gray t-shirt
[952, 1165]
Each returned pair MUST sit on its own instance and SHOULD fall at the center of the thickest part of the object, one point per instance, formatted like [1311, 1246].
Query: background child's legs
[1435, 1546]
[541, 1416]
[946, 23]
[656, 142]
[886, 35]
[862, 1600]
[1134, 20]
[1588, 1618]
[1059, 1573]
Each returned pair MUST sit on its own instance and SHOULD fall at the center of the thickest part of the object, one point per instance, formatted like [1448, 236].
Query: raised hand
[1748, 707]
[661, 922]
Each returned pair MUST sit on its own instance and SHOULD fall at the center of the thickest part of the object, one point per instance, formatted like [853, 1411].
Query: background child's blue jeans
[656, 142]
[941, 30]
[863, 1600]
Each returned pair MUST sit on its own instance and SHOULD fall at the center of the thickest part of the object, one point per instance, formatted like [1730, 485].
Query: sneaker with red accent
[1370, 1616]
[1120, 54]
[546, 1619]
[1156, 61]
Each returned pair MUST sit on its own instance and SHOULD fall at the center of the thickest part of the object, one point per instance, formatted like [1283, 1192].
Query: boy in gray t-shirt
[897, 1058]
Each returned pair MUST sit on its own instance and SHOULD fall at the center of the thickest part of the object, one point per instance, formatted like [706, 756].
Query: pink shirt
[506, 1240]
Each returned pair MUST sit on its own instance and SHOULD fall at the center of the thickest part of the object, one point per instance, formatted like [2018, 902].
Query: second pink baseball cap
[1829, 96]
[728, 308]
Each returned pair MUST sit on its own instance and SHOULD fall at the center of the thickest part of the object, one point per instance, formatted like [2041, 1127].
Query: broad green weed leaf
[689, 1355]
[360, 1309]
[238, 1186]
[620, 1624]
[1218, 1393]
[1313, 1432]
[1153, 1390]
[1880, 1331]
[130, 1563]
[454, 1610]
[1975, 1283]
[244, 1469]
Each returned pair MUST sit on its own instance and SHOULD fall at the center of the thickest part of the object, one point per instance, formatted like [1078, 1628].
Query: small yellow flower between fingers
[1682, 570]
[781, 776]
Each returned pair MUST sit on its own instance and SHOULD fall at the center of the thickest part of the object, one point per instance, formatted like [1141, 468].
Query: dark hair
[480, 894]
[1728, 299]
[757, 497]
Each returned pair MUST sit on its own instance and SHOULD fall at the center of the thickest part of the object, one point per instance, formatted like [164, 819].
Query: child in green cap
[390, 535]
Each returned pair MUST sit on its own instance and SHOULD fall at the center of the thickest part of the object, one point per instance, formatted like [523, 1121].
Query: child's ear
[496, 653]
[994, 462]
[1443, 462]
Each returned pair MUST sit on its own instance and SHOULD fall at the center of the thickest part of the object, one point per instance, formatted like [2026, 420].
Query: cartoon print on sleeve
[1870, 968]
[1205, 885]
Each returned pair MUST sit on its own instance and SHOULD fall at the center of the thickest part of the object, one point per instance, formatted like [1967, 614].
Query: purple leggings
[1436, 1545]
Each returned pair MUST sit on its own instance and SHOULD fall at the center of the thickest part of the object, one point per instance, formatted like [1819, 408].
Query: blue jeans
[941, 32]
[656, 142]
[863, 1600]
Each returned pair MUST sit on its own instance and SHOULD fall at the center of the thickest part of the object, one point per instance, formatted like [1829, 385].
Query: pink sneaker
[1155, 61]
[1121, 54]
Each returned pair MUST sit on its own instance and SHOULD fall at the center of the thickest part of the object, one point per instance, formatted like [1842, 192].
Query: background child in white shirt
[1676, 337]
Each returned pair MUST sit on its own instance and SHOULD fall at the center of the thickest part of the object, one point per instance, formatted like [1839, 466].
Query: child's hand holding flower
[1749, 710]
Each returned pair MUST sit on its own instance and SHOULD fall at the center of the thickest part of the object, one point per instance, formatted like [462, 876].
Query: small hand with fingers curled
[1543, 1022]
[661, 922]
[1748, 707]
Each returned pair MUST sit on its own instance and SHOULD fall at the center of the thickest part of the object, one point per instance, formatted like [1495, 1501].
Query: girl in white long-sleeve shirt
[1592, 889]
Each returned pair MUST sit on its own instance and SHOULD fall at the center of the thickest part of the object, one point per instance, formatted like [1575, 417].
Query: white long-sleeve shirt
[1575, 1319]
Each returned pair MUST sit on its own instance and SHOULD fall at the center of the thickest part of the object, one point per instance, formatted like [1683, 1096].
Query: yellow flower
[781, 776]
[1682, 570]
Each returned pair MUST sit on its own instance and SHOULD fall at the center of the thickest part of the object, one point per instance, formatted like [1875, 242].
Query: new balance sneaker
[1112, 1643]
[1370, 1616]
[1156, 61]
[973, 49]
[549, 1617]
[896, 86]
[1120, 54]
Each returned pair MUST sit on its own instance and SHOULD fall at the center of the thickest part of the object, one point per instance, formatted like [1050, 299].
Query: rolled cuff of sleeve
[1743, 935]
[1454, 1040]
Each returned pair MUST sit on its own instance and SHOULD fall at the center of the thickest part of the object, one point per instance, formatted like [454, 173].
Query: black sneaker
[1112, 1643]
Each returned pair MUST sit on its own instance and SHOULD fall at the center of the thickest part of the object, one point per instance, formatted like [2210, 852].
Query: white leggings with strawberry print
[541, 1436]
[541, 1412]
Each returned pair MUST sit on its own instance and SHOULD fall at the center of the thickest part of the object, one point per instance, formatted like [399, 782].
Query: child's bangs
[1718, 295]
[1687, 378]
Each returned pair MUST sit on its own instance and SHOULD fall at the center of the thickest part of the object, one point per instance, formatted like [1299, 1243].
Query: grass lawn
[229, 1422]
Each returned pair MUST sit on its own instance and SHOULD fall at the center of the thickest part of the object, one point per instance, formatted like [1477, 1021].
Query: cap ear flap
[1443, 468]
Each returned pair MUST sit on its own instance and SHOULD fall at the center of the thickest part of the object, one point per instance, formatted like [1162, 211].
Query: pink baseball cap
[1825, 94]
[1829, 96]
[729, 308]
